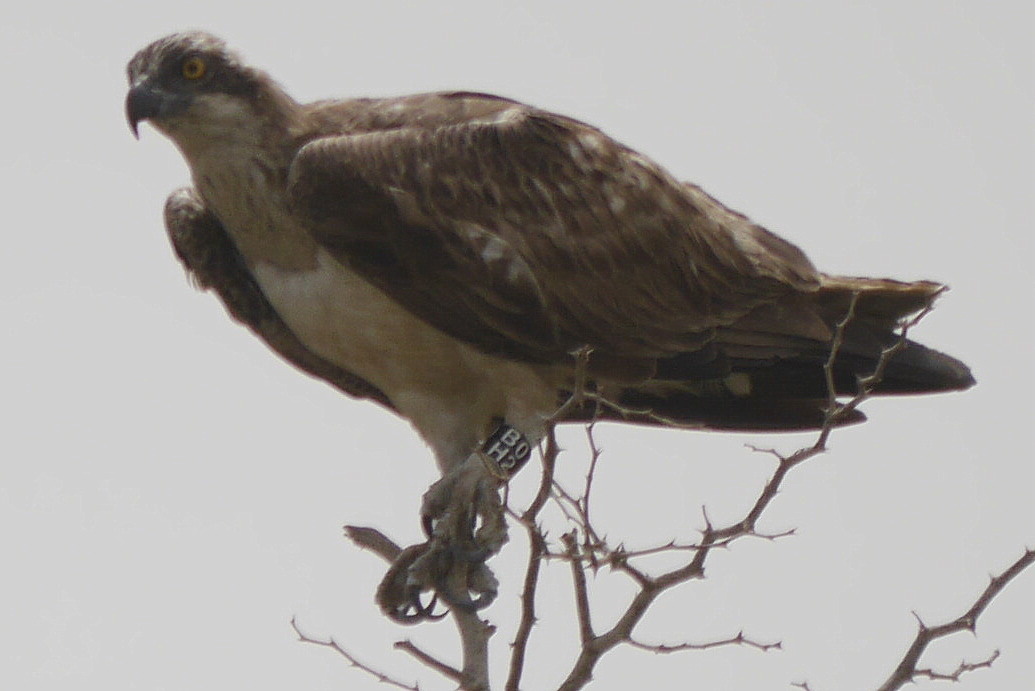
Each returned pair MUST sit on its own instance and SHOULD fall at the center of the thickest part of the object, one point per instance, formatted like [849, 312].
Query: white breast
[449, 390]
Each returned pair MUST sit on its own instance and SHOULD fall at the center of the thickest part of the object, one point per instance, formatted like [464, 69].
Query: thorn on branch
[333, 645]
[770, 451]
[739, 639]
[707, 521]
[537, 551]
[962, 669]
[578, 577]
[907, 671]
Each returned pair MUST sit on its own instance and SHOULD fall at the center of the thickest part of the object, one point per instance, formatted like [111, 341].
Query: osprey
[458, 256]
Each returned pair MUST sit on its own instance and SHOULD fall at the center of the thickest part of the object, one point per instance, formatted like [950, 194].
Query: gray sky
[172, 493]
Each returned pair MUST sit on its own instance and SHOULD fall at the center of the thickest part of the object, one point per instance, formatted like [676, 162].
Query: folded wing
[530, 235]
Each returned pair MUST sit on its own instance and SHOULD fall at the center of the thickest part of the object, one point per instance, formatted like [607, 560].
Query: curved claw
[420, 612]
[479, 580]
[399, 596]
[403, 616]
[429, 611]
[465, 601]
[462, 512]
[465, 524]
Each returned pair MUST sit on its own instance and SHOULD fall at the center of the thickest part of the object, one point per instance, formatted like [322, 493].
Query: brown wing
[531, 235]
[214, 263]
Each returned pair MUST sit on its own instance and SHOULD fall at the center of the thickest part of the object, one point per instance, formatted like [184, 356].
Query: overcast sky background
[171, 494]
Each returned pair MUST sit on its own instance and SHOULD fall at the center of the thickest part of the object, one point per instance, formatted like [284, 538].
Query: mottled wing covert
[530, 235]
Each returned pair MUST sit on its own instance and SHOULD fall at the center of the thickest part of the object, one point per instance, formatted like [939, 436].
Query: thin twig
[619, 562]
[474, 633]
[536, 550]
[960, 670]
[641, 414]
[432, 662]
[578, 577]
[835, 348]
[652, 586]
[333, 645]
[907, 671]
[580, 392]
[739, 639]
[590, 533]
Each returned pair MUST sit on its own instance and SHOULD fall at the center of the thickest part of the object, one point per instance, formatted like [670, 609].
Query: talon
[398, 596]
[465, 601]
[402, 616]
[429, 612]
[403, 604]
[484, 600]
[425, 611]
[463, 519]
[479, 580]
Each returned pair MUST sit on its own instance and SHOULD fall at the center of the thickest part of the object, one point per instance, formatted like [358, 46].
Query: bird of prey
[468, 261]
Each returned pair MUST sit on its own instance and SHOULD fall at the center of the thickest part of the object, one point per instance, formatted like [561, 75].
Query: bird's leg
[464, 507]
[465, 523]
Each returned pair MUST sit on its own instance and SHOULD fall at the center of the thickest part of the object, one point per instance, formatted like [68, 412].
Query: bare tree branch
[907, 671]
[584, 548]
[429, 660]
[960, 670]
[652, 586]
[474, 637]
[587, 489]
[739, 639]
[474, 633]
[333, 645]
[536, 549]
[578, 577]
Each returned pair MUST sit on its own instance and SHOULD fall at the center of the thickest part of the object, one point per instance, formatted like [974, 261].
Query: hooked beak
[144, 102]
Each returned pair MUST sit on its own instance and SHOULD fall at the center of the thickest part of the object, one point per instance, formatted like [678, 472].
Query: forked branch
[907, 670]
[333, 645]
[583, 548]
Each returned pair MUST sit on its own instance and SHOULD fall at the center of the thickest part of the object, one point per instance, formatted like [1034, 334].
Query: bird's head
[192, 88]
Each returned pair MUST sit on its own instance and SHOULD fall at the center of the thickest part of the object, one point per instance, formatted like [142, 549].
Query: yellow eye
[193, 68]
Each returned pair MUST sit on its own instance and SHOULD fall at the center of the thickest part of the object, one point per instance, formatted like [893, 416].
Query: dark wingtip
[919, 369]
[756, 415]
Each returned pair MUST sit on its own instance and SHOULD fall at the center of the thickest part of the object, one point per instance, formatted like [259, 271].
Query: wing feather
[206, 251]
[531, 235]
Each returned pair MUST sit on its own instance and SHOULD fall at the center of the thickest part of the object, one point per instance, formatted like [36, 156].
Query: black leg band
[508, 449]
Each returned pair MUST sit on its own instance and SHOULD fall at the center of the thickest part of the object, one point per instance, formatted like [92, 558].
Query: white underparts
[448, 389]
